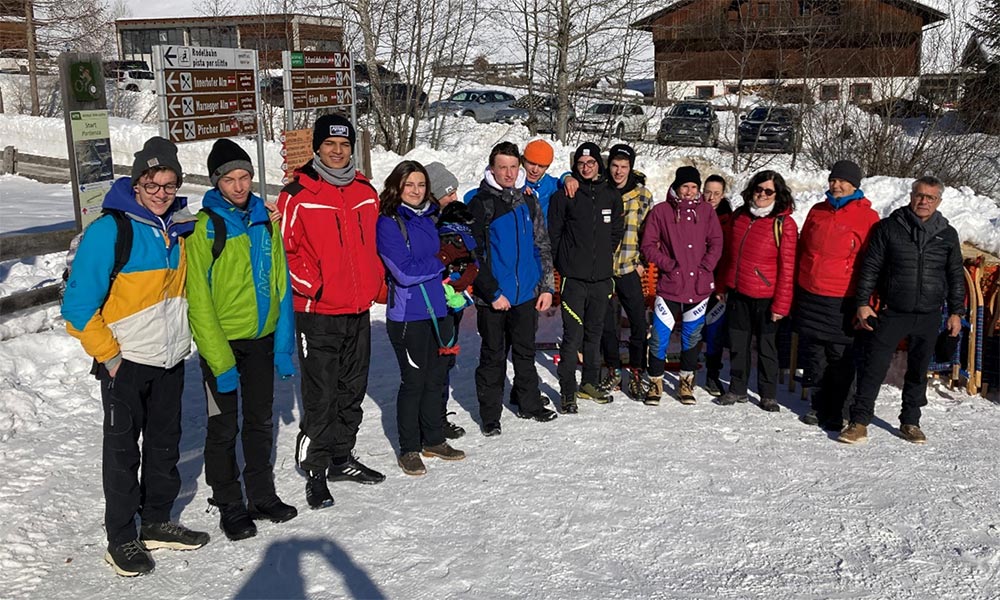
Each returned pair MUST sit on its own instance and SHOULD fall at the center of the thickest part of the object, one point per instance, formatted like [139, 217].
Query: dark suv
[768, 128]
[689, 124]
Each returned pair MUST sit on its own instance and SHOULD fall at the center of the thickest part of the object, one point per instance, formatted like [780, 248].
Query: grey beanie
[156, 152]
[442, 181]
[227, 156]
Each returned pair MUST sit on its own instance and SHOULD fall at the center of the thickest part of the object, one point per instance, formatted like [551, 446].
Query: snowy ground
[621, 501]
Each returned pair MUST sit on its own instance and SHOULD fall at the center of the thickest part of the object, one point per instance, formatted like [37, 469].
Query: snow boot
[713, 385]
[810, 418]
[654, 392]
[685, 389]
[129, 559]
[568, 405]
[353, 470]
[770, 404]
[492, 429]
[730, 398]
[272, 509]
[636, 388]
[317, 493]
[234, 520]
[611, 382]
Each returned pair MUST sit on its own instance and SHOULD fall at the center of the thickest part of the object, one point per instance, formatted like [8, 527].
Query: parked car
[479, 104]
[400, 98]
[903, 108]
[543, 109]
[135, 80]
[111, 67]
[15, 60]
[615, 119]
[689, 124]
[768, 128]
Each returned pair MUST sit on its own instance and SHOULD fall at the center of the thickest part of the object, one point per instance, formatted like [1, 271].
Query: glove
[468, 276]
[283, 363]
[449, 253]
[226, 383]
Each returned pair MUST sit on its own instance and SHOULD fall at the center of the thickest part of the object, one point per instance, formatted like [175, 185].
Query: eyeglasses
[919, 197]
[586, 163]
[763, 190]
[153, 188]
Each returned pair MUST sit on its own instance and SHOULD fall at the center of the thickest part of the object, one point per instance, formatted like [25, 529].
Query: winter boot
[685, 389]
[317, 493]
[713, 385]
[568, 405]
[589, 391]
[272, 509]
[730, 398]
[855, 433]
[452, 431]
[129, 559]
[171, 535]
[654, 392]
[912, 434]
[443, 451]
[234, 520]
[611, 382]
[411, 464]
[810, 418]
[492, 429]
[542, 415]
[636, 388]
[770, 404]
[353, 470]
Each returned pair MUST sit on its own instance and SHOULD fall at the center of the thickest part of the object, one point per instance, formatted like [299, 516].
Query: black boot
[317, 493]
[129, 559]
[272, 509]
[234, 520]
[452, 431]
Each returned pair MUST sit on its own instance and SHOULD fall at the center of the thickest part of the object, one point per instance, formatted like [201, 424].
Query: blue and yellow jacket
[145, 317]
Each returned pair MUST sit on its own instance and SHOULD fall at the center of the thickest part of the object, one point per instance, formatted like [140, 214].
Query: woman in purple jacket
[683, 239]
[416, 315]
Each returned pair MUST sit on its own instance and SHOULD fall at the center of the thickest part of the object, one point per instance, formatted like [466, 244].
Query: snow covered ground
[620, 501]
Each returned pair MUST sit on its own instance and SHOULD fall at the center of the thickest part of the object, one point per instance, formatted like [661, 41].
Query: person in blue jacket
[417, 314]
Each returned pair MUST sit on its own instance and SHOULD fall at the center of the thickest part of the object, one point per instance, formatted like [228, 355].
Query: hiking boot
[685, 389]
[611, 382]
[713, 385]
[568, 405]
[317, 492]
[354, 471]
[452, 431]
[171, 535]
[729, 399]
[636, 388]
[542, 415]
[654, 392]
[912, 434]
[770, 404]
[129, 559]
[443, 451]
[810, 418]
[272, 509]
[589, 391]
[234, 520]
[491, 429]
[855, 433]
[411, 464]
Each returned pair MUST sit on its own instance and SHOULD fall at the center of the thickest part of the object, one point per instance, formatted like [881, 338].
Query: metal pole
[262, 168]
[161, 91]
[354, 109]
[286, 88]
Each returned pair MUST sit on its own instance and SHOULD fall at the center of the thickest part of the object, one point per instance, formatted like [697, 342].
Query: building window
[861, 92]
[733, 90]
[704, 92]
[829, 93]
[219, 37]
[763, 9]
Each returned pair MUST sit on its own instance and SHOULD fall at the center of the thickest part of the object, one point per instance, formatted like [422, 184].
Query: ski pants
[830, 367]
[628, 295]
[496, 328]
[334, 354]
[666, 313]
[749, 317]
[715, 338]
[144, 400]
[423, 372]
[583, 305]
[255, 364]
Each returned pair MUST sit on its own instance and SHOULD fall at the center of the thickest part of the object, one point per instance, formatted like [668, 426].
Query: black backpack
[219, 225]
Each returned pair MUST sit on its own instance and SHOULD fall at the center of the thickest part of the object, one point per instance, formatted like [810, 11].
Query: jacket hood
[121, 197]
[679, 203]
[214, 199]
[490, 181]
[635, 179]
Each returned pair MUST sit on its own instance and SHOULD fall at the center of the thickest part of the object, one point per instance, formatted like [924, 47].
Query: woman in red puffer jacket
[758, 278]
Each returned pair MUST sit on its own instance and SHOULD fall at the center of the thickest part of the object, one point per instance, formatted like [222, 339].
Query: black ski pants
[830, 366]
[423, 374]
[748, 318]
[144, 400]
[583, 304]
[628, 295]
[334, 354]
[255, 364]
[497, 328]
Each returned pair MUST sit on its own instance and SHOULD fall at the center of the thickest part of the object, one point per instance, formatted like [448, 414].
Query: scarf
[839, 203]
[338, 177]
[759, 213]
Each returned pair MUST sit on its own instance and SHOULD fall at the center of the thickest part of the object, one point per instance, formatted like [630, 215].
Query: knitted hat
[156, 152]
[442, 181]
[622, 151]
[539, 152]
[588, 149]
[227, 156]
[686, 175]
[333, 126]
[848, 171]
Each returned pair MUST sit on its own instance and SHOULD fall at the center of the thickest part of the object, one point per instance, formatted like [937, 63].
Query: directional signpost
[207, 93]
[318, 80]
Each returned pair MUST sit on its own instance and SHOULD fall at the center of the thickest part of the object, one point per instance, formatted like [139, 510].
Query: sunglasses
[763, 190]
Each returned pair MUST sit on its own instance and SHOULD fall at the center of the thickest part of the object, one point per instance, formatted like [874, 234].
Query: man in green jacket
[240, 309]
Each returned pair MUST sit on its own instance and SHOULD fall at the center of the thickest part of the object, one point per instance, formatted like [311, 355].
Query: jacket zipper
[517, 257]
[761, 275]
[593, 232]
[739, 256]
[361, 229]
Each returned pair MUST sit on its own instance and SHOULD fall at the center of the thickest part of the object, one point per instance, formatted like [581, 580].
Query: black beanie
[848, 171]
[686, 175]
[333, 126]
[622, 150]
[156, 152]
[588, 149]
[226, 156]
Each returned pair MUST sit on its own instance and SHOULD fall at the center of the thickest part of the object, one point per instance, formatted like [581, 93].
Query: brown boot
[854, 434]
[411, 464]
[443, 451]
[912, 434]
[654, 392]
[685, 389]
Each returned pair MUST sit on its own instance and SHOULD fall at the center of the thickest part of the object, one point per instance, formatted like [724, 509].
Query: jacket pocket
[704, 282]
[761, 275]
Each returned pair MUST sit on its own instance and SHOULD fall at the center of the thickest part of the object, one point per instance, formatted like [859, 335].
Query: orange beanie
[539, 152]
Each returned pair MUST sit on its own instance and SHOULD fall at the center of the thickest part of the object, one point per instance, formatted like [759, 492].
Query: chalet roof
[978, 53]
[929, 15]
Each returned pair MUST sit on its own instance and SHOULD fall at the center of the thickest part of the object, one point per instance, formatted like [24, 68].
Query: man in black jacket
[585, 233]
[914, 260]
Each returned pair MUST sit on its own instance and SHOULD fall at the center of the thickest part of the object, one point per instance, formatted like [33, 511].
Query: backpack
[123, 249]
[221, 235]
[779, 225]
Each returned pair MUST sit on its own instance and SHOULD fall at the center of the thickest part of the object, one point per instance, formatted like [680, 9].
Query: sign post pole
[260, 132]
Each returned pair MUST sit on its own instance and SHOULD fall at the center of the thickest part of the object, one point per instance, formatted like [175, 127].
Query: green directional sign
[298, 60]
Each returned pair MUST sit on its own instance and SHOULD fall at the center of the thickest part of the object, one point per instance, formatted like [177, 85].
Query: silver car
[616, 120]
[482, 105]
[545, 110]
